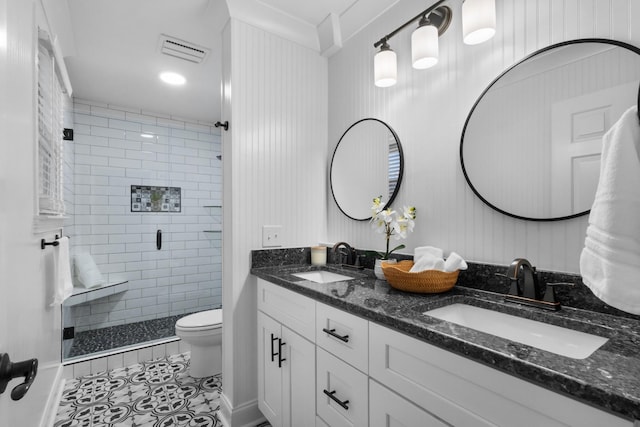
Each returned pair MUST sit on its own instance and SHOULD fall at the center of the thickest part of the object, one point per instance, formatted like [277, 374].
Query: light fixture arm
[442, 25]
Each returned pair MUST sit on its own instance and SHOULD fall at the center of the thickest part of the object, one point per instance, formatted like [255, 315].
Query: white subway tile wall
[108, 155]
[127, 358]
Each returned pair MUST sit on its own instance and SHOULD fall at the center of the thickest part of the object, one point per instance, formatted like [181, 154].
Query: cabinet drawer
[387, 409]
[293, 310]
[344, 335]
[465, 393]
[320, 422]
[346, 385]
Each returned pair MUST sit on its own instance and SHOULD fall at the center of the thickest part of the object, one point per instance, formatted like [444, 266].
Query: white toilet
[203, 332]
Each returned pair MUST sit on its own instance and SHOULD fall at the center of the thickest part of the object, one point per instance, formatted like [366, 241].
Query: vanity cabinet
[462, 392]
[286, 360]
[342, 370]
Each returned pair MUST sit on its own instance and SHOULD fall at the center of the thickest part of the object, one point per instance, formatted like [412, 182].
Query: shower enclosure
[143, 193]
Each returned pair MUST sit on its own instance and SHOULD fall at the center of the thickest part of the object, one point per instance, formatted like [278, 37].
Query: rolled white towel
[454, 262]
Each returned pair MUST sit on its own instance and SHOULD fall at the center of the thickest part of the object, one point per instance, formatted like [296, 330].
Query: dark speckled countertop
[609, 379]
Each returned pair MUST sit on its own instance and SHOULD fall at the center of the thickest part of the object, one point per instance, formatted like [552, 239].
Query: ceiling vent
[182, 49]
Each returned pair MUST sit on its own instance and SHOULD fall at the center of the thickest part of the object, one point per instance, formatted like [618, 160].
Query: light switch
[271, 236]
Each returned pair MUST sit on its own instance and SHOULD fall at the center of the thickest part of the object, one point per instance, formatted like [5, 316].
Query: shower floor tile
[104, 339]
[159, 393]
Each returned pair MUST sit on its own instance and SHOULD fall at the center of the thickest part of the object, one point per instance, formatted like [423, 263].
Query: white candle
[318, 255]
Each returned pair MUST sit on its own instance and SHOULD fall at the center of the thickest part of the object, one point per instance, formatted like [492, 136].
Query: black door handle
[8, 371]
[335, 399]
[159, 239]
[273, 354]
[332, 332]
[280, 359]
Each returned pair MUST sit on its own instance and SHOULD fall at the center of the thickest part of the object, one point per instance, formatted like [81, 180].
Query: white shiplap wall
[274, 174]
[428, 109]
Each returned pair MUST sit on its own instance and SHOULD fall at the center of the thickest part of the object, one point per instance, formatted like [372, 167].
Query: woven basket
[427, 282]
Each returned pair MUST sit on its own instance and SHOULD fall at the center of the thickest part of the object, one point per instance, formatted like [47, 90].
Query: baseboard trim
[53, 401]
[246, 414]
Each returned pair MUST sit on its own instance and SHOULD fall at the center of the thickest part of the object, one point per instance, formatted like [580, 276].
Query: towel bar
[44, 243]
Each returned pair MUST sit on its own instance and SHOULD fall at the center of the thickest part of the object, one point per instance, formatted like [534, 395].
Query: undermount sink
[322, 276]
[555, 339]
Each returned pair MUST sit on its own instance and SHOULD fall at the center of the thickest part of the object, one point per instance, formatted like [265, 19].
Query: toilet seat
[209, 319]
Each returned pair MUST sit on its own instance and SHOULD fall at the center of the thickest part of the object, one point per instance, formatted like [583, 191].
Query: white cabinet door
[269, 374]
[286, 375]
[299, 380]
[342, 394]
[387, 409]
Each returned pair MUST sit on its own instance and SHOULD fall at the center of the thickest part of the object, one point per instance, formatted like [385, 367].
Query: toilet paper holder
[10, 370]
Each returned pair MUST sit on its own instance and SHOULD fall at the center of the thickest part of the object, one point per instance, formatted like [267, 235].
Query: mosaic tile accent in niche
[147, 198]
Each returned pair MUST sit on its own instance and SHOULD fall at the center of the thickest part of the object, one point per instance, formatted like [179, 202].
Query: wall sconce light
[385, 66]
[478, 24]
[424, 45]
[478, 20]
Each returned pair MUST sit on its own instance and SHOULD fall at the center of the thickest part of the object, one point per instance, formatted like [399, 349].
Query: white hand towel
[454, 262]
[427, 262]
[63, 287]
[609, 261]
[87, 271]
[430, 251]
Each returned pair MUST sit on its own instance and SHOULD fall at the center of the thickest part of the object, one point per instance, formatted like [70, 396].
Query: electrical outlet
[271, 236]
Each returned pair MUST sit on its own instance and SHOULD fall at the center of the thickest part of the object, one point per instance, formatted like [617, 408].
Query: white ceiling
[112, 51]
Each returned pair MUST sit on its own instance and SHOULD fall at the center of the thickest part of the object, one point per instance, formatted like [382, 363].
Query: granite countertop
[608, 379]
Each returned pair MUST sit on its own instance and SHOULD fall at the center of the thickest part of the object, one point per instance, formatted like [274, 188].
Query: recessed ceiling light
[172, 78]
[146, 135]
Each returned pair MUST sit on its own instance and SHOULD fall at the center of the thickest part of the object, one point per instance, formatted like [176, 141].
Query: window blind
[50, 127]
[394, 166]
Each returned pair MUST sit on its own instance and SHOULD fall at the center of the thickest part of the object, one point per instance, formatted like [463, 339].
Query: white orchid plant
[390, 223]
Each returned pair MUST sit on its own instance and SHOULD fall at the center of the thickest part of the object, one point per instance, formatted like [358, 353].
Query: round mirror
[367, 163]
[530, 147]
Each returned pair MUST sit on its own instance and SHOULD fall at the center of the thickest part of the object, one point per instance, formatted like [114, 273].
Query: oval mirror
[367, 162]
[530, 147]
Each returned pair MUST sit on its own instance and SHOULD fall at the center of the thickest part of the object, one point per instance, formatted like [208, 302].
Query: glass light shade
[385, 68]
[424, 47]
[478, 20]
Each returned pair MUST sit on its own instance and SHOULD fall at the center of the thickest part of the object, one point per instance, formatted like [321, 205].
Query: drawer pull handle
[335, 399]
[280, 359]
[332, 332]
[273, 355]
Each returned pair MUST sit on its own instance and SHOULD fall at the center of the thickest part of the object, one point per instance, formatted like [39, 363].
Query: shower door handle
[159, 239]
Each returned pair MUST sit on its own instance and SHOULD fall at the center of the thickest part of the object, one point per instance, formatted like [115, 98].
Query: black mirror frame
[400, 175]
[538, 52]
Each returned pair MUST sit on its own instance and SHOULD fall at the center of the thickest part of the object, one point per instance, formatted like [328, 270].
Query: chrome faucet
[346, 255]
[524, 287]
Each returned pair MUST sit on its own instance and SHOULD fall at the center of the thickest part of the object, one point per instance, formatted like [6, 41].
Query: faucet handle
[550, 292]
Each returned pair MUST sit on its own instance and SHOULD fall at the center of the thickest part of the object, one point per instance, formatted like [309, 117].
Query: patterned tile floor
[159, 393]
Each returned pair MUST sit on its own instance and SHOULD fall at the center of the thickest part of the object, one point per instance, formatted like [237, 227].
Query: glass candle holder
[318, 255]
